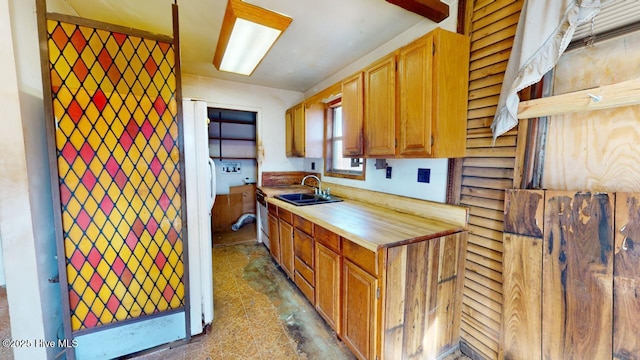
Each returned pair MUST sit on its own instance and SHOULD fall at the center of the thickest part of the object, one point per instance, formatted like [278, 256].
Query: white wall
[404, 178]
[405, 171]
[269, 103]
[26, 220]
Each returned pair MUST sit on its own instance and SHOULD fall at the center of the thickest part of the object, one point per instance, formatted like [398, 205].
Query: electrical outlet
[424, 175]
[388, 175]
[231, 167]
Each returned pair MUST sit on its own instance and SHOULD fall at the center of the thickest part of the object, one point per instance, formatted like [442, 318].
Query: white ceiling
[324, 37]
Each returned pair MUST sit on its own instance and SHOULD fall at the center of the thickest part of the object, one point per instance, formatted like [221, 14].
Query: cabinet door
[415, 67]
[380, 108]
[626, 282]
[328, 286]
[286, 247]
[288, 116]
[359, 310]
[303, 247]
[577, 276]
[299, 134]
[274, 238]
[352, 116]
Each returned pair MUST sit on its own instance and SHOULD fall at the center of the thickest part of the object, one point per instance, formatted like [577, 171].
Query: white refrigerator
[200, 176]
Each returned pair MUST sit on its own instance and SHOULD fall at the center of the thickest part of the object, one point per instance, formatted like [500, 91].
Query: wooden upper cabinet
[304, 130]
[416, 94]
[288, 117]
[352, 116]
[433, 94]
[380, 108]
[299, 131]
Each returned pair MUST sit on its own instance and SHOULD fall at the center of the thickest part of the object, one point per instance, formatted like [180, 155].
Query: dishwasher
[263, 218]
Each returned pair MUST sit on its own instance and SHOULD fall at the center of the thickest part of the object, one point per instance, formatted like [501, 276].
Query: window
[335, 164]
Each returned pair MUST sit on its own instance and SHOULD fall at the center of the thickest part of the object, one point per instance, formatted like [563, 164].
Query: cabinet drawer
[327, 238]
[303, 246]
[273, 210]
[305, 287]
[304, 270]
[285, 215]
[303, 224]
[364, 258]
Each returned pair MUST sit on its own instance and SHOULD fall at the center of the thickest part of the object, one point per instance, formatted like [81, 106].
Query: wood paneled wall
[487, 171]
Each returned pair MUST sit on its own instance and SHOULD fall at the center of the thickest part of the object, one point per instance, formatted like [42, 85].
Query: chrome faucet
[318, 190]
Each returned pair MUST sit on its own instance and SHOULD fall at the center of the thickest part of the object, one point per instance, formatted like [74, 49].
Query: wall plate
[231, 167]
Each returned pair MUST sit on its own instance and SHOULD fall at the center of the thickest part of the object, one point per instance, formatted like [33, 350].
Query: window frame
[328, 147]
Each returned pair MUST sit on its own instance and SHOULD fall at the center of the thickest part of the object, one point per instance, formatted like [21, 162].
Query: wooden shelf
[241, 131]
[234, 139]
[232, 158]
[223, 121]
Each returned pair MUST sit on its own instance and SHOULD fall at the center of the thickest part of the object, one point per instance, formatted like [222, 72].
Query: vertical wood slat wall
[487, 171]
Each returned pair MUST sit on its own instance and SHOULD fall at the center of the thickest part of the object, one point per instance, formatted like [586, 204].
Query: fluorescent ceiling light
[247, 34]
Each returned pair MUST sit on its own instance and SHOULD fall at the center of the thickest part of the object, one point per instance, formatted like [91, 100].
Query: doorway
[232, 146]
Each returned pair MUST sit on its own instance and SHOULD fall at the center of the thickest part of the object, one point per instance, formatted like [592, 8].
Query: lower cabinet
[274, 237]
[358, 310]
[399, 302]
[286, 247]
[328, 286]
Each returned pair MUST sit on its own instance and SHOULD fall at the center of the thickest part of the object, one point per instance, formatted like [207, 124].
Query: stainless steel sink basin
[307, 199]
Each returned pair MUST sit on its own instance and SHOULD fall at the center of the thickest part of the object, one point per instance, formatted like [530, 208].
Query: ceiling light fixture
[248, 32]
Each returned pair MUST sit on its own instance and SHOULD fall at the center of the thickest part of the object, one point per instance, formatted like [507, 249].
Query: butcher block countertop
[371, 226]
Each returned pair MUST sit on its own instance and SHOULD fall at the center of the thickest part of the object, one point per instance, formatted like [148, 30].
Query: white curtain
[544, 31]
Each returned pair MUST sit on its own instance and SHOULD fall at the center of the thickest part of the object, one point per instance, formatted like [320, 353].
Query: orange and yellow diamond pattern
[119, 171]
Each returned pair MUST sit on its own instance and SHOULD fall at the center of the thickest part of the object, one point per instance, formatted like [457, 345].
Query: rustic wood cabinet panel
[274, 237]
[328, 282]
[523, 237]
[380, 108]
[578, 255]
[422, 298]
[352, 116]
[304, 127]
[589, 282]
[286, 247]
[626, 281]
[359, 310]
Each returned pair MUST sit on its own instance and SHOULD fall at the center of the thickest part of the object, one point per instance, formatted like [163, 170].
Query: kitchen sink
[307, 199]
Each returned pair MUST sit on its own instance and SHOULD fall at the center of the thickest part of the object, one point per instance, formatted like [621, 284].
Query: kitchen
[481, 314]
